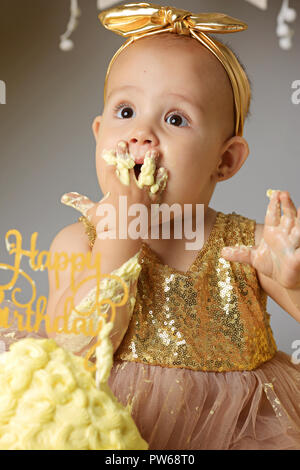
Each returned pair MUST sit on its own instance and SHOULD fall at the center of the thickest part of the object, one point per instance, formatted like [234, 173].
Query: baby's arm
[118, 256]
[276, 255]
[272, 288]
[73, 239]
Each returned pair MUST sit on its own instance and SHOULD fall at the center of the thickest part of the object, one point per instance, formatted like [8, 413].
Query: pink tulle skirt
[185, 409]
[182, 409]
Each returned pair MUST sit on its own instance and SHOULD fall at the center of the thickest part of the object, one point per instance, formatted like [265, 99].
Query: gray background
[46, 143]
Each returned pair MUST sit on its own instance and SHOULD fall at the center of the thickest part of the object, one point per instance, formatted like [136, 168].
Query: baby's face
[174, 97]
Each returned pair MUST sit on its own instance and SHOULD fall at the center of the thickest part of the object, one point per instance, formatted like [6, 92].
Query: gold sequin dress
[199, 362]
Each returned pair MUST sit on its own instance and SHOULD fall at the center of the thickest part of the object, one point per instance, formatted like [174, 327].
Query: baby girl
[194, 352]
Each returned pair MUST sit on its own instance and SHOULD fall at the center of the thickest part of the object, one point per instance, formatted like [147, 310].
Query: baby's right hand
[151, 182]
[120, 168]
[83, 204]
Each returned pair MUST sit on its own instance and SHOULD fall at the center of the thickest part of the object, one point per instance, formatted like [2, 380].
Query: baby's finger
[240, 254]
[161, 181]
[124, 162]
[288, 207]
[109, 156]
[120, 161]
[160, 184]
[295, 236]
[289, 211]
[273, 212]
[77, 201]
[295, 232]
[162, 178]
[146, 176]
[122, 150]
[105, 196]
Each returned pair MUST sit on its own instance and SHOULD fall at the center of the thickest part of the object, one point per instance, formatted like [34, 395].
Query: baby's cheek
[99, 168]
[102, 175]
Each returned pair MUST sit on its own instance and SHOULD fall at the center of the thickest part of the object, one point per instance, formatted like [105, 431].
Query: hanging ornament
[262, 4]
[67, 44]
[284, 31]
[103, 4]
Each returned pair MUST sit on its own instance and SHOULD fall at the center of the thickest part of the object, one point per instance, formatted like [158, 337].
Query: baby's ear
[234, 155]
[96, 125]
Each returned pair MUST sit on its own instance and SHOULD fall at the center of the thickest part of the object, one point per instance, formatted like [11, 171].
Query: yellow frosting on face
[49, 401]
[146, 176]
[122, 164]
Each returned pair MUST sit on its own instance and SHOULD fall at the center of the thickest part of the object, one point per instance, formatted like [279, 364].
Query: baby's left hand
[278, 253]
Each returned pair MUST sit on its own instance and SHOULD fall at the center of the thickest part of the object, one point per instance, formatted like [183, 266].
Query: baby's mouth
[137, 169]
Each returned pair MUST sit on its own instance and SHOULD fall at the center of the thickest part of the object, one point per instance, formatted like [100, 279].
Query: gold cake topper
[84, 322]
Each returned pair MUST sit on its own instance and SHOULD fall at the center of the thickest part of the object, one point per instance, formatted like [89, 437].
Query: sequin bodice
[212, 317]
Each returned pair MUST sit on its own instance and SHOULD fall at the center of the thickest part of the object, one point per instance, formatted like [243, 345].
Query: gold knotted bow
[137, 20]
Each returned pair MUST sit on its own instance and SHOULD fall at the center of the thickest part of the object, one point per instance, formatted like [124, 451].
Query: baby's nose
[143, 138]
[139, 148]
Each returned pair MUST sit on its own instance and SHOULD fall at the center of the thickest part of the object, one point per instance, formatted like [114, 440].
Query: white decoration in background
[263, 4]
[2, 92]
[103, 4]
[284, 31]
[67, 44]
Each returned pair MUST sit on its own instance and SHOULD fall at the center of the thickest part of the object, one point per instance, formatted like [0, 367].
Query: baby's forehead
[175, 56]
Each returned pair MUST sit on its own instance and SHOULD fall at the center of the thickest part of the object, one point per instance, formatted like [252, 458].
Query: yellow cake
[49, 401]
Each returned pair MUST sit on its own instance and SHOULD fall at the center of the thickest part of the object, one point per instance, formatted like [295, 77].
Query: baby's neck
[168, 247]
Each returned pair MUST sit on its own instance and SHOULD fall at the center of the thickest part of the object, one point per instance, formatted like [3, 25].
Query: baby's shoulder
[258, 227]
[243, 221]
[71, 239]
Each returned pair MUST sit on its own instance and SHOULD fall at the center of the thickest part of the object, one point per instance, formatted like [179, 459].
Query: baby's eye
[126, 110]
[177, 119]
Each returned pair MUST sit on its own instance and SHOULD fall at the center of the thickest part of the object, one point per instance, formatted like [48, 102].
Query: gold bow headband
[137, 20]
